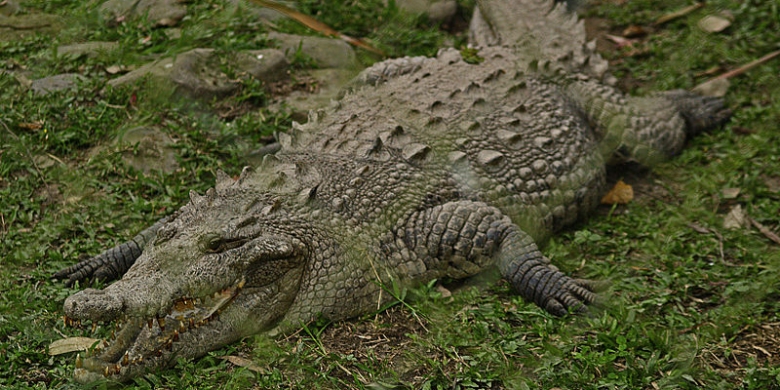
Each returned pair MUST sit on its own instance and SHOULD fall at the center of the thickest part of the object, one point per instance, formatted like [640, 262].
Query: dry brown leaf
[445, 293]
[772, 183]
[244, 362]
[716, 87]
[736, 219]
[713, 24]
[621, 193]
[634, 31]
[114, 69]
[36, 125]
[620, 41]
[731, 193]
[71, 344]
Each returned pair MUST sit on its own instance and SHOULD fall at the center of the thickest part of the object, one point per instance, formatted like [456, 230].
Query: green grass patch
[690, 303]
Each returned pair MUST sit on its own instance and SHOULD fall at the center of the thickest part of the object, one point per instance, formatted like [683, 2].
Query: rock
[153, 150]
[330, 83]
[196, 72]
[326, 52]
[261, 13]
[159, 12]
[268, 65]
[89, 49]
[20, 26]
[438, 11]
[59, 82]
[8, 8]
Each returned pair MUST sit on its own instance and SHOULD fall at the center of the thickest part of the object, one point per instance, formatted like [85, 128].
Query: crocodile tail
[543, 30]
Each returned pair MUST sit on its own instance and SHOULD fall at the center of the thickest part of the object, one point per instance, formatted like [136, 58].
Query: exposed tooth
[161, 322]
[105, 344]
[94, 326]
[158, 353]
[150, 322]
[192, 323]
[105, 371]
[117, 369]
[182, 328]
[79, 362]
[125, 359]
[175, 335]
[241, 283]
[113, 335]
[169, 344]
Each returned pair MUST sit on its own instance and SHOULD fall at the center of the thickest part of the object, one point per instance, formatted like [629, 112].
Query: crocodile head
[227, 265]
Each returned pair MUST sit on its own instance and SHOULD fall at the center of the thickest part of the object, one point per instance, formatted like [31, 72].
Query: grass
[691, 304]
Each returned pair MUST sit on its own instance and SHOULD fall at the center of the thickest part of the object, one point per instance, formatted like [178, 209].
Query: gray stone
[330, 84]
[56, 83]
[438, 11]
[152, 150]
[89, 49]
[196, 73]
[326, 52]
[160, 12]
[8, 8]
[20, 26]
[268, 65]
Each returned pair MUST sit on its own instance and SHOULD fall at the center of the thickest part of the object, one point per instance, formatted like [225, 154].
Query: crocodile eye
[215, 244]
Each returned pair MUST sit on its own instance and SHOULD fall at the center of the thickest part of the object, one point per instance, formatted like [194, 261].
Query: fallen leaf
[713, 24]
[716, 87]
[445, 293]
[621, 193]
[730, 193]
[772, 183]
[36, 125]
[620, 41]
[114, 69]
[634, 31]
[736, 219]
[71, 344]
[244, 362]
[742, 130]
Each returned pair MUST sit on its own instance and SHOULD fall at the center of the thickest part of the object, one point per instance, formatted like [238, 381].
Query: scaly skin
[429, 168]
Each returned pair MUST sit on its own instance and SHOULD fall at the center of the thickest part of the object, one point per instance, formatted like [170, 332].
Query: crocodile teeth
[79, 362]
[94, 327]
[125, 359]
[161, 323]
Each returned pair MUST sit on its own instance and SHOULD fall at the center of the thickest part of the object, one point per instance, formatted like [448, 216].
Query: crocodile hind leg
[462, 238]
[113, 263]
[645, 129]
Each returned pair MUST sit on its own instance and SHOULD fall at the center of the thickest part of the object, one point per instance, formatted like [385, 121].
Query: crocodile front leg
[463, 238]
[113, 263]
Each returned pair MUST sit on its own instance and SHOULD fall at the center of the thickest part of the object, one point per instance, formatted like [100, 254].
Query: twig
[765, 231]
[678, 14]
[748, 66]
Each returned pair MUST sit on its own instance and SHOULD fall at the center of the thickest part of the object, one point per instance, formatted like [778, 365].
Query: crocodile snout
[95, 305]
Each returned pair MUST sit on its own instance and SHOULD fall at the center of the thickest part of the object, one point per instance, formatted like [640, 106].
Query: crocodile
[426, 168]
